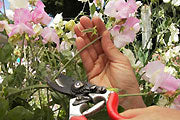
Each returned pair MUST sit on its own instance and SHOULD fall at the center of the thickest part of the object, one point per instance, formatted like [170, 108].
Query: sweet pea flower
[132, 59]
[50, 35]
[4, 25]
[10, 14]
[175, 2]
[83, 0]
[177, 103]
[125, 33]
[154, 73]
[120, 8]
[22, 19]
[21, 28]
[166, 1]
[39, 15]
[1, 4]
[174, 34]
[22, 15]
[16, 4]
[65, 46]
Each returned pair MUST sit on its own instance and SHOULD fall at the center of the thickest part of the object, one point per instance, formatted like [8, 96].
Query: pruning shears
[82, 94]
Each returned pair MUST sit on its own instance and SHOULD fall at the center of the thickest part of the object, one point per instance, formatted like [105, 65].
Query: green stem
[28, 88]
[74, 57]
[139, 94]
[4, 7]
[40, 100]
[23, 37]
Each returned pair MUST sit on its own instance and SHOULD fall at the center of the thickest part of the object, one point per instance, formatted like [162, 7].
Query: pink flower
[126, 33]
[120, 8]
[1, 4]
[154, 73]
[22, 22]
[22, 15]
[50, 35]
[177, 103]
[2, 25]
[39, 15]
[20, 29]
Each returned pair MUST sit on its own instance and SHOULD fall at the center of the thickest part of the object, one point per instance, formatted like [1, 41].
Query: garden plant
[35, 46]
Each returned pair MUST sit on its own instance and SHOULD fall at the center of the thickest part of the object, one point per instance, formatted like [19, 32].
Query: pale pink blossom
[125, 33]
[154, 73]
[39, 15]
[22, 22]
[177, 103]
[20, 29]
[1, 4]
[50, 35]
[22, 15]
[120, 8]
[2, 25]
[5, 26]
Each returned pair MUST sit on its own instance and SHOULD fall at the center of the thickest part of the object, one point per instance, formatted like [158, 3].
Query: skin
[152, 113]
[106, 66]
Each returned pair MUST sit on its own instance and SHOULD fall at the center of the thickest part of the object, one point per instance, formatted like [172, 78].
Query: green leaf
[4, 105]
[43, 114]
[5, 53]
[19, 113]
[92, 9]
[19, 74]
[101, 115]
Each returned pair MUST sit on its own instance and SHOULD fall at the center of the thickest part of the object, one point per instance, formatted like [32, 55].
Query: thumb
[109, 48]
[133, 112]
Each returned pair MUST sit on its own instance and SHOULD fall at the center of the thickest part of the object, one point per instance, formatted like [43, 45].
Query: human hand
[105, 65]
[152, 113]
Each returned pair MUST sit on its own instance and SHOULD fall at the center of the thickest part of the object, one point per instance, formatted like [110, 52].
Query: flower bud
[70, 25]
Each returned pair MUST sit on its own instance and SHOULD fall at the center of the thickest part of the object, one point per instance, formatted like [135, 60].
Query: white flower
[171, 53]
[37, 28]
[132, 59]
[15, 4]
[174, 34]
[10, 14]
[58, 18]
[170, 70]
[83, 0]
[70, 35]
[1, 80]
[175, 2]
[4, 25]
[166, 1]
[65, 46]
[139, 3]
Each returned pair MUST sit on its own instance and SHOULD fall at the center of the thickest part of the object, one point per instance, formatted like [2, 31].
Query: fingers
[78, 28]
[87, 23]
[85, 56]
[110, 50]
[100, 25]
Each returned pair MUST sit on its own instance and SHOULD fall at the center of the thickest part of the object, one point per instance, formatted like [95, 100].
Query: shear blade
[63, 84]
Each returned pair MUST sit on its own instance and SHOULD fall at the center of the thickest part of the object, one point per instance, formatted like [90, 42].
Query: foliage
[38, 48]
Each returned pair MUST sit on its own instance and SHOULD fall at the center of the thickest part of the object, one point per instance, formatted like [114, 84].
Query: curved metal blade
[63, 84]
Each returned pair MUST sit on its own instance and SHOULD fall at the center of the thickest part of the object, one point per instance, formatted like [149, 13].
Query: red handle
[112, 106]
[78, 118]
